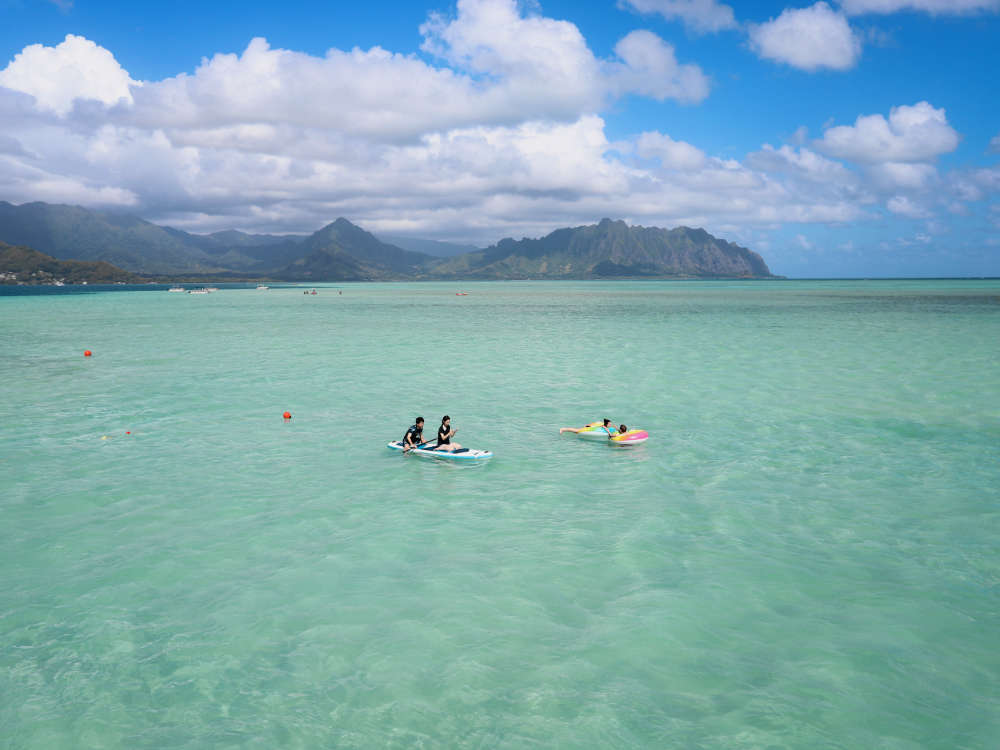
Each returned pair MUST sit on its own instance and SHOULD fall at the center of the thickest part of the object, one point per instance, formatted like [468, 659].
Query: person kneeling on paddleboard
[445, 433]
[414, 436]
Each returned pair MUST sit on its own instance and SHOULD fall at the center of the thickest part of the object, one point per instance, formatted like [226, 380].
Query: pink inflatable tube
[632, 437]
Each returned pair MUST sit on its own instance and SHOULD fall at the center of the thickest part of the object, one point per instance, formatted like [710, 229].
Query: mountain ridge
[26, 266]
[611, 249]
[342, 251]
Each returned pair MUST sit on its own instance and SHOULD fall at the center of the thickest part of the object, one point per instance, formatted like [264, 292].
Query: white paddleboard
[462, 454]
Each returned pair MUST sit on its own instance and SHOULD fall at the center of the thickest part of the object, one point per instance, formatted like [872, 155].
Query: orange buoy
[86, 353]
[287, 415]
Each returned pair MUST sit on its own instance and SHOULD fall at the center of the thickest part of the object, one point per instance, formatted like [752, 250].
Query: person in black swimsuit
[414, 436]
[445, 433]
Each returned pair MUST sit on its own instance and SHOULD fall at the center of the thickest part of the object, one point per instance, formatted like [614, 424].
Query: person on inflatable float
[608, 428]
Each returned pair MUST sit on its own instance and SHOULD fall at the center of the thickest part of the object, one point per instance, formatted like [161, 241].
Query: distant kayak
[462, 454]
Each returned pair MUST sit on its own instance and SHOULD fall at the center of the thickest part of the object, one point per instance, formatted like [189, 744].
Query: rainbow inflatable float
[632, 437]
[597, 431]
[593, 431]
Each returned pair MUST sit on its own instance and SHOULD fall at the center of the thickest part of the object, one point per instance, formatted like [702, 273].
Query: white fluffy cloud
[670, 153]
[801, 162]
[935, 7]
[994, 147]
[500, 136]
[903, 206]
[74, 69]
[902, 175]
[698, 15]
[807, 38]
[500, 132]
[911, 134]
[650, 68]
[534, 53]
[504, 69]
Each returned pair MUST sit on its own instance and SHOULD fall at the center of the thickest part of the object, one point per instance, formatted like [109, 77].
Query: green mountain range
[607, 250]
[342, 251]
[22, 265]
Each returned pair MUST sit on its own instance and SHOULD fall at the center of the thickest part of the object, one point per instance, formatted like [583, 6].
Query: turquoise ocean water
[806, 553]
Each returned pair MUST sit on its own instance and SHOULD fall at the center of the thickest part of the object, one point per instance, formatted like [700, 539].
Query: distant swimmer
[607, 428]
[414, 436]
[445, 434]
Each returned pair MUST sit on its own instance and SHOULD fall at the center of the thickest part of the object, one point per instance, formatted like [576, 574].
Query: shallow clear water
[803, 555]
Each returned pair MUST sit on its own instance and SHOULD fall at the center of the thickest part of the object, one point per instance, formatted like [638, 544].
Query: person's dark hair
[445, 418]
[419, 420]
[606, 422]
[622, 428]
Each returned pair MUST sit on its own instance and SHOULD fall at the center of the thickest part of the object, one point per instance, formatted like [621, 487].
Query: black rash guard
[443, 438]
[416, 435]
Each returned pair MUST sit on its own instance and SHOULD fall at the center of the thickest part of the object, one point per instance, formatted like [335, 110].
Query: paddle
[421, 446]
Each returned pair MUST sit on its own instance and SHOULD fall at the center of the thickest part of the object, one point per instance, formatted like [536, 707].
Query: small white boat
[197, 291]
[177, 289]
[262, 288]
[211, 288]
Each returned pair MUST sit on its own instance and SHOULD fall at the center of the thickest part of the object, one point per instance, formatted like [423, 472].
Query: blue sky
[839, 138]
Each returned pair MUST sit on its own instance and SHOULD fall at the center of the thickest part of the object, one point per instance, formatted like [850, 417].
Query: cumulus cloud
[911, 134]
[698, 15]
[902, 175]
[504, 69]
[73, 70]
[972, 185]
[547, 59]
[650, 68]
[803, 163]
[492, 37]
[807, 38]
[500, 136]
[934, 7]
[670, 153]
[903, 206]
[479, 183]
